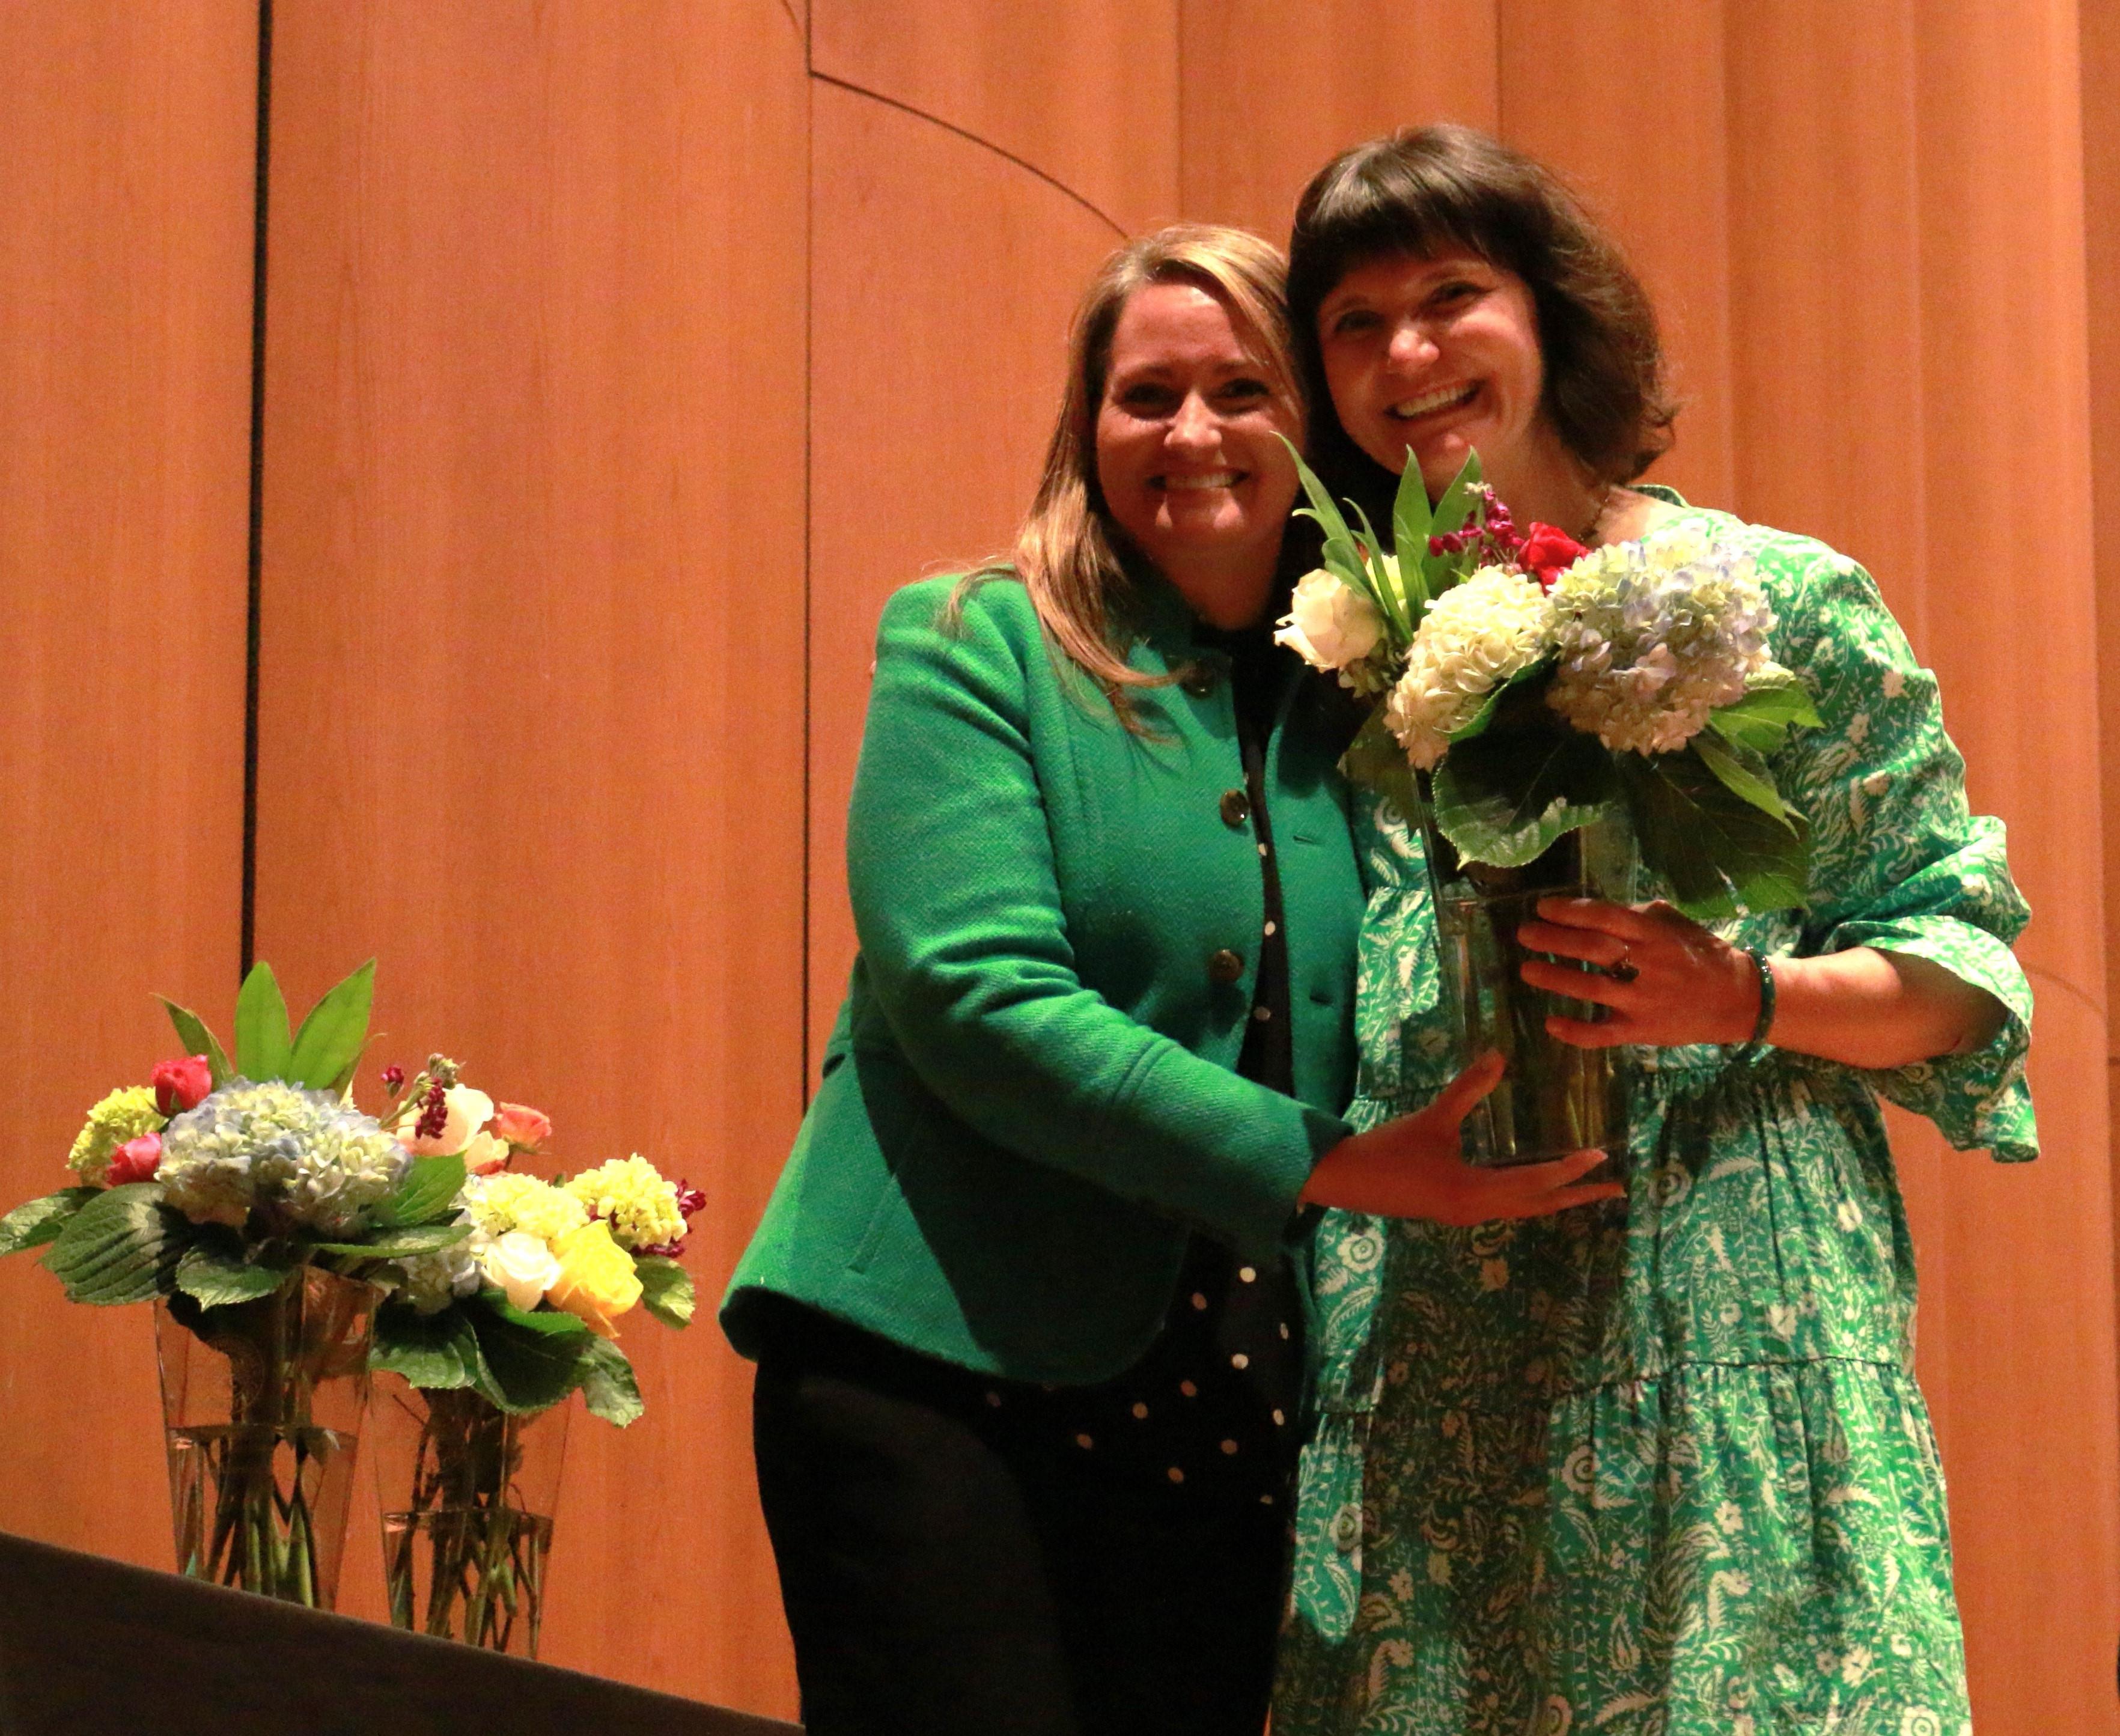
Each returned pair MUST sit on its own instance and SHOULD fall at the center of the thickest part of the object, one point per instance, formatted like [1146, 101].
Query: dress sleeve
[951, 867]
[1898, 863]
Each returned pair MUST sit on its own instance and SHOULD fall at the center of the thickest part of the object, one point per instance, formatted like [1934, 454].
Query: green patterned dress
[1660, 1468]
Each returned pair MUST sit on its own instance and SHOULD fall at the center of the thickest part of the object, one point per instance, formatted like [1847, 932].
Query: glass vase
[467, 1493]
[1555, 1098]
[262, 1405]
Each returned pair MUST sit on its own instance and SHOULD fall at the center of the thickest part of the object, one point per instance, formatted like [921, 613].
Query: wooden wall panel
[1272, 92]
[2013, 633]
[936, 371]
[1086, 94]
[1626, 98]
[533, 722]
[125, 249]
[2100, 49]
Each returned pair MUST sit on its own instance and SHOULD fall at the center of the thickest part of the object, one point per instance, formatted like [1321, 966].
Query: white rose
[1329, 625]
[468, 1111]
[522, 1265]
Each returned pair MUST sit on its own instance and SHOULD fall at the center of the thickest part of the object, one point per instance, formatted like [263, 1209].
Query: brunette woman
[1660, 1466]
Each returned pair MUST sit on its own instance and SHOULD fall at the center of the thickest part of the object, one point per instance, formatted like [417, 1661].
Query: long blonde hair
[1067, 552]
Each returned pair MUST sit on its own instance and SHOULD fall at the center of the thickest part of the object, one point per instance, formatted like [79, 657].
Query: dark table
[89, 1646]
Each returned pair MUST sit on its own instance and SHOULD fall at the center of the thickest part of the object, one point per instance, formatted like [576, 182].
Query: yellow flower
[596, 1281]
[122, 1116]
[631, 1193]
[500, 1204]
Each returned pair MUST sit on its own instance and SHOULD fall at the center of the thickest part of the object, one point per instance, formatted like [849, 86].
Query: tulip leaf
[665, 1289]
[430, 1187]
[436, 1350]
[332, 1036]
[215, 1273]
[198, 1040]
[122, 1246]
[531, 1361]
[401, 1244]
[36, 1221]
[1412, 524]
[1456, 505]
[1341, 558]
[608, 1387]
[262, 1045]
[1391, 597]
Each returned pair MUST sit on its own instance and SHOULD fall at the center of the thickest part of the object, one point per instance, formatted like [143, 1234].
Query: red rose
[1547, 553]
[136, 1160]
[182, 1085]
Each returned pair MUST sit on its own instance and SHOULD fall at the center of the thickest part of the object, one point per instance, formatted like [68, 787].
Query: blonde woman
[1029, 1351]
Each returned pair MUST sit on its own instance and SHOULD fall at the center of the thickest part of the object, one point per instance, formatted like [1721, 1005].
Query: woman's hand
[1412, 1166]
[1665, 978]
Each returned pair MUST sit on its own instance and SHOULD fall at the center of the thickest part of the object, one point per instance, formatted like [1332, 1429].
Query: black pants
[945, 1572]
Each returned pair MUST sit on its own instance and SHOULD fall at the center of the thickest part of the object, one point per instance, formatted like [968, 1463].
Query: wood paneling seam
[247, 927]
[1030, 168]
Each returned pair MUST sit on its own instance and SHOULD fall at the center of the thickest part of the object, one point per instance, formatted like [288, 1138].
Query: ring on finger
[1622, 969]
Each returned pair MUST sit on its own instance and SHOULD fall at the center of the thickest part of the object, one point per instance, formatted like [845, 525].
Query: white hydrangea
[434, 1281]
[273, 1144]
[1655, 635]
[1474, 636]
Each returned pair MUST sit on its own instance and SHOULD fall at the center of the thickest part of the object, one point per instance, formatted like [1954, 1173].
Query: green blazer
[1027, 1104]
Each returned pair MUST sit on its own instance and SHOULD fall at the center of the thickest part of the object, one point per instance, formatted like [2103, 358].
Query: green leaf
[430, 1188]
[1503, 798]
[1456, 505]
[1761, 720]
[331, 1038]
[531, 1360]
[1375, 760]
[1744, 773]
[665, 1289]
[436, 1350]
[1715, 849]
[1391, 597]
[197, 1039]
[608, 1387]
[391, 1244]
[1339, 554]
[215, 1272]
[1479, 722]
[36, 1221]
[262, 1043]
[122, 1246]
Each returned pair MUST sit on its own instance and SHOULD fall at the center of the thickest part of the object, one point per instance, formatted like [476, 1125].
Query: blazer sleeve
[951, 867]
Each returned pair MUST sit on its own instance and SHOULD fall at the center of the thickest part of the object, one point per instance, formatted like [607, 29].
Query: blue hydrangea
[320, 1161]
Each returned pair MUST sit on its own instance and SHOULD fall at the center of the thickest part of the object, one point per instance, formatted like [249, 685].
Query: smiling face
[1442, 355]
[1187, 457]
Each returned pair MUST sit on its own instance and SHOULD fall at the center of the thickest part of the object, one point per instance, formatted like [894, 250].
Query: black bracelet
[1765, 1021]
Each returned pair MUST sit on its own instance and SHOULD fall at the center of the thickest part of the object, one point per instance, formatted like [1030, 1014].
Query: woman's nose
[1195, 425]
[1412, 347]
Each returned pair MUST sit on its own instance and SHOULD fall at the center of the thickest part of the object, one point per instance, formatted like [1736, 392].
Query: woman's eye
[1244, 392]
[1354, 322]
[1455, 294]
[1148, 400]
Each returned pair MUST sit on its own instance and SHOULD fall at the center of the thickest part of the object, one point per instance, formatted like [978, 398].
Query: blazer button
[1226, 966]
[1199, 681]
[1236, 807]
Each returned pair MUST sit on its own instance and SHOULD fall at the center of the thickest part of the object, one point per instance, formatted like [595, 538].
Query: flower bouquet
[487, 1336]
[250, 1202]
[1549, 714]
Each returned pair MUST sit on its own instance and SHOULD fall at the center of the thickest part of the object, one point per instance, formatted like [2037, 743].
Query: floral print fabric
[1660, 1468]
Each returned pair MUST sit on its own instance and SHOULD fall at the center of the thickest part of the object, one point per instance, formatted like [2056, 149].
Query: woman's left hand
[1666, 979]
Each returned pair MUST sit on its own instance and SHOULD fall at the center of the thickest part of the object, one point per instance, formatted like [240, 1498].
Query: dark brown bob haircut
[1437, 189]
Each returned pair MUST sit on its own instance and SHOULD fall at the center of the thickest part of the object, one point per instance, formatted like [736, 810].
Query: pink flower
[522, 1127]
[181, 1085]
[136, 1160]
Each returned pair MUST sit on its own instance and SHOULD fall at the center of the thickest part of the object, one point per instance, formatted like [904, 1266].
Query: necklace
[1588, 539]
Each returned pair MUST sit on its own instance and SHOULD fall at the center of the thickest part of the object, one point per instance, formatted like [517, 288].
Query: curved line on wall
[801, 35]
[1057, 185]
[2034, 973]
